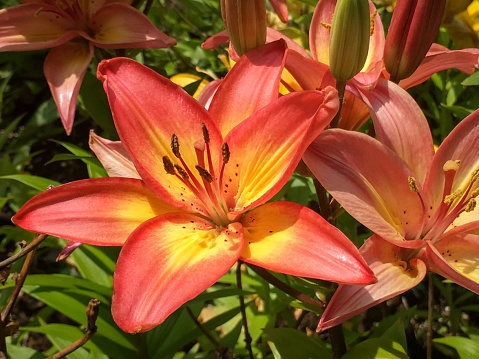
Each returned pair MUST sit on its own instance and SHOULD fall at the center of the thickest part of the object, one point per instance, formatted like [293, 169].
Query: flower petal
[113, 157]
[310, 74]
[100, 211]
[457, 146]
[370, 182]
[354, 113]
[207, 93]
[395, 114]
[64, 69]
[263, 160]
[393, 278]
[466, 60]
[166, 262]
[281, 8]
[289, 238]
[148, 109]
[118, 25]
[34, 26]
[252, 84]
[456, 258]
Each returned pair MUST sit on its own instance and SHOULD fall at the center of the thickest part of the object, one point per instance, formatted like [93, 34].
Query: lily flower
[73, 28]
[199, 205]
[421, 205]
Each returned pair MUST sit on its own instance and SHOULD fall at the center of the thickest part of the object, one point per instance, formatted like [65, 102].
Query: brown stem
[323, 201]
[92, 313]
[200, 327]
[147, 8]
[338, 344]
[430, 303]
[37, 239]
[263, 273]
[341, 87]
[247, 336]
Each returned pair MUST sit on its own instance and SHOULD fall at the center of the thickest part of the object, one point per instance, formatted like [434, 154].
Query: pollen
[175, 145]
[168, 165]
[451, 197]
[371, 22]
[206, 134]
[182, 172]
[204, 174]
[471, 205]
[412, 184]
[225, 151]
[475, 175]
[326, 25]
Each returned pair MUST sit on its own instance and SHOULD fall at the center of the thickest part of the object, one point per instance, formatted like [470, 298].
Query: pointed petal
[118, 25]
[67, 250]
[148, 109]
[394, 114]
[466, 60]
[262, 161]
[281, 8]
[318, 33]
[100, 211]
[289, 238]
[207, 93]
[274, 35]
[166, 262]
[216, 40]
[252, 84]
[113, 157]
[457, 146]
[456, 258]
[370, 182]
[34, 26]
[392, 279]
[64, 69]
[310, 74]
[354, 113]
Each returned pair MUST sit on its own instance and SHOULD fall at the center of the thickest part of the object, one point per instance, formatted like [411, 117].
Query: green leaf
[466, 348]
[94, 265]
[17, 351]
[377, 348]
[293, 344]
[211, 294]
[10, 128]
[472, 80]
[38, 183]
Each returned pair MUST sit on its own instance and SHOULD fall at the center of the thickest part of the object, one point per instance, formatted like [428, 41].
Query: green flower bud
[349, 38]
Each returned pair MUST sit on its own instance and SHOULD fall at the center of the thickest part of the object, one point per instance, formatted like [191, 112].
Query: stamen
[412, 184]
[225, 152]
[451, 165]
[475, 175]
[175, 146]
[471, 205]
[371, 22]
[451, 197]
[204, 174]
[182, 172]
[325, 25]
[206, 134]
[38, 12]
[169, 167]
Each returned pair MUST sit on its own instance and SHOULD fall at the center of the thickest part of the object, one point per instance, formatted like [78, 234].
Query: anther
[204, 174]
[168, 165]
[325, 25]
[175, 146]
[182, 172]
[475, 175]
[226, 153]
[371, 22]
[206, 134]
[451, 197]
[471, 205]
[412, 184]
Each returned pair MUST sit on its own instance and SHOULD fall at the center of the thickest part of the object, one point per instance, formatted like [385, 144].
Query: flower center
[203, 181]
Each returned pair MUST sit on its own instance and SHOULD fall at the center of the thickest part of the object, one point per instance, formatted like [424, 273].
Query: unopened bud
[349, 39]
[414, 27]
[245, 23]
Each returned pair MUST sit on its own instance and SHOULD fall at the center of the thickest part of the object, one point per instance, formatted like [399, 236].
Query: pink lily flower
[205, 177]
[420, 205]
[73, 28]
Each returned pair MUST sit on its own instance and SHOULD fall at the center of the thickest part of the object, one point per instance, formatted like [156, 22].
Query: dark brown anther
[169, 167]
[226, 153]
[175, 146]
[182, 172]
[204, 174]
[206, 134]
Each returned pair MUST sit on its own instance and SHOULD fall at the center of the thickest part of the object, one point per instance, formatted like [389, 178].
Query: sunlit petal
[64, 69]
[101, 211]
[394, 277]
[113, 157]
[370, 182]
[262, 161]
[289, 238]
[166, 262]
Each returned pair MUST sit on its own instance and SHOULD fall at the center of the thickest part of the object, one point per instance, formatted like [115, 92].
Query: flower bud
[414, 27]
[349, 38]
[245, 22]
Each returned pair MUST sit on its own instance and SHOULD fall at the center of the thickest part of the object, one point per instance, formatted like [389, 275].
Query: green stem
[338, 344]
[341, 87]
[247, 336]
[200, 327]
[430, 304]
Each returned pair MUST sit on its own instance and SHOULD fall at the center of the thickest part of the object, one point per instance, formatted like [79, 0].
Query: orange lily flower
[74, 27]
[421, 205]
[199, 204]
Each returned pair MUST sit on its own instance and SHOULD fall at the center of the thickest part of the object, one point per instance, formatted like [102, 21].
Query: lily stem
[341, 87]
[430, 304]
[28, 248]
[263, 273]
[200, 327]
[247, 336]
